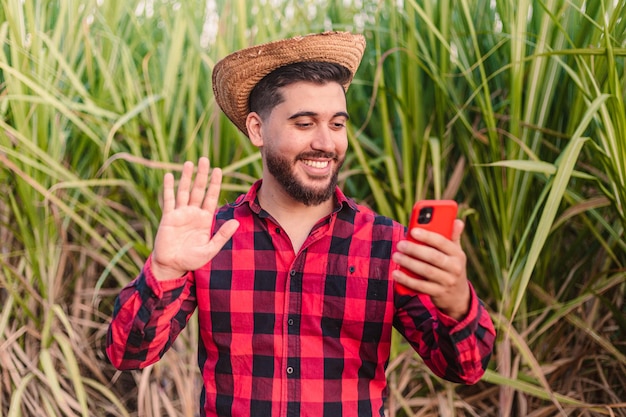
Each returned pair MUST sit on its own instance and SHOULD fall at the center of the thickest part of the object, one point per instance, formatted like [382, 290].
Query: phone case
[434, 215]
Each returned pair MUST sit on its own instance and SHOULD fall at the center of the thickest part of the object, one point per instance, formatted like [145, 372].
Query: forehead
[304, 93]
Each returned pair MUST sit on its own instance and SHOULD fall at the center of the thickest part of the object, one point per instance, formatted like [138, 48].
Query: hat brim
[235, 76]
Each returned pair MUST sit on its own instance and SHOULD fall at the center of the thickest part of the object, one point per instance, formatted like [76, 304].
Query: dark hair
[266, 95]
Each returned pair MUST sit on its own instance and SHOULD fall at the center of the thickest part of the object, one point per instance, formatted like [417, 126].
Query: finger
[199, 184]
[213, 193]
[422, 251]
[432, 280]
[182, 196]
[454, 302]
[432, 239]
[429, 262]
[425, 263]
[168, 193]
[457, 231]
[223, 235]
[418, 285]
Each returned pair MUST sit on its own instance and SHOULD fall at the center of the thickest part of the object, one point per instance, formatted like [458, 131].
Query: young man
[294, 282]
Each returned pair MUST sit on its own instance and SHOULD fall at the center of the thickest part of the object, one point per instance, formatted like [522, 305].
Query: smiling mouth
[315, 164]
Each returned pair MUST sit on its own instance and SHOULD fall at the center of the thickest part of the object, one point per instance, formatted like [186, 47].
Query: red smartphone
[434, 215]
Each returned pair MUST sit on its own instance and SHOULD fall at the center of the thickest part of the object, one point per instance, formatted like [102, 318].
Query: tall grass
[513, 108]
[523, 100]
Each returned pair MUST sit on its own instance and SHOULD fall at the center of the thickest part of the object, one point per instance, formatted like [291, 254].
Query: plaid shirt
[286, 334]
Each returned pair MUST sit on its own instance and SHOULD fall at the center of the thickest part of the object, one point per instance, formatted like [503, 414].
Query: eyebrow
[313, 114]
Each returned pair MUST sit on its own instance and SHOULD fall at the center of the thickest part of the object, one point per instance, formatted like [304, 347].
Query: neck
[284, 209]
[294, 217]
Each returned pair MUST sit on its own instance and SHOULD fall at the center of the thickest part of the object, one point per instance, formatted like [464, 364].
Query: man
[294, 282]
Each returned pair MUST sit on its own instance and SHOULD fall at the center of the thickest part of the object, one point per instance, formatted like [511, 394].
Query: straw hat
[235, 76]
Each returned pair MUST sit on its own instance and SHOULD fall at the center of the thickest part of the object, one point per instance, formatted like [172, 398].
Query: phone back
[434, 215]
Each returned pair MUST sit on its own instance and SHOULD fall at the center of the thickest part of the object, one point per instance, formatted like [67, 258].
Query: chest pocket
[353, 301]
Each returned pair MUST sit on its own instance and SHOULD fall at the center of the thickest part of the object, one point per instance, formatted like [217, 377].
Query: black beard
[280, 168]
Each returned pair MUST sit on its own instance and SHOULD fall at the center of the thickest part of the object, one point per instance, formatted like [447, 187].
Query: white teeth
[316, 164]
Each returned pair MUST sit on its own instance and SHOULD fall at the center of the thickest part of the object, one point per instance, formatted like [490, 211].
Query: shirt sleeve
[458, 351]
[148, 316]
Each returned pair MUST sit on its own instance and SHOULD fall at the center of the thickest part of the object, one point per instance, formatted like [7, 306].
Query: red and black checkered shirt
[306, 334]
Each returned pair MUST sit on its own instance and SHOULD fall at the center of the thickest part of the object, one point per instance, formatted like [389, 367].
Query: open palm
[184, 240]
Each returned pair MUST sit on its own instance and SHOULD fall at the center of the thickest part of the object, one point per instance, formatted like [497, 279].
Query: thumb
[223, 235]
[457, 231]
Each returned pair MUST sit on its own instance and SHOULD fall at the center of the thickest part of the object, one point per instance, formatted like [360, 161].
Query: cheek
[342, 145]
[279, 148]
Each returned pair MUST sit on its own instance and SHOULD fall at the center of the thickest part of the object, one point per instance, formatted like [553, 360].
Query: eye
[338, 125]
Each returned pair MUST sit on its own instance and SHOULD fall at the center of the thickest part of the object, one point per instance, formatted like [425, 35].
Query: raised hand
[442, 263]
[184, 240]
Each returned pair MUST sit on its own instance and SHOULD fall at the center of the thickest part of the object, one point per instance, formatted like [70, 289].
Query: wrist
[460, 309]
[164, 273]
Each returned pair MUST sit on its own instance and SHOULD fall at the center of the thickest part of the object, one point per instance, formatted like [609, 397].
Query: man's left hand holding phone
[438, 262]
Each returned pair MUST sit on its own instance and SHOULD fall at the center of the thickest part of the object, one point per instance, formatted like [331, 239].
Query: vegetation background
[515, 108]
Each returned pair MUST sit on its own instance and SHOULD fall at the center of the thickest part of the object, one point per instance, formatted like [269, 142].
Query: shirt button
[293, 272]
[290, 370]
[290, 322]
[278, 230]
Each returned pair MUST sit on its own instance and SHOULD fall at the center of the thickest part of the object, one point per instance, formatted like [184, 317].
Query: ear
[254, 124]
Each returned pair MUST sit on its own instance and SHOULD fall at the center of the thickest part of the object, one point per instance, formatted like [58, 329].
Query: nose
[324, 140]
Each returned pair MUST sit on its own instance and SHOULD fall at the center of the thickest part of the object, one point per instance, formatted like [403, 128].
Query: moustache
[318, 155]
